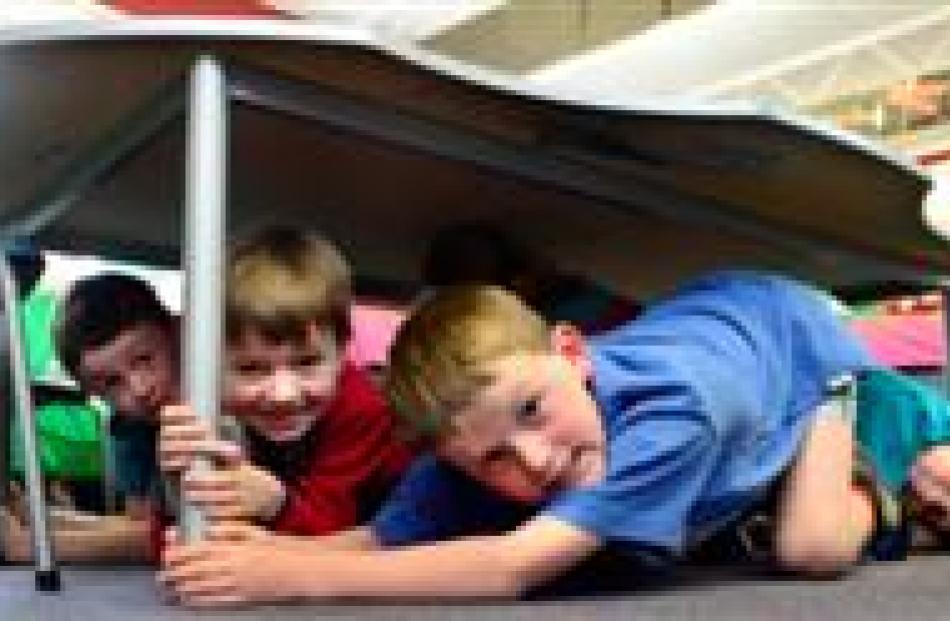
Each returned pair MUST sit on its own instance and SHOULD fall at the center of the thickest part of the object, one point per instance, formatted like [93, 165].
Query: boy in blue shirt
[648, 439]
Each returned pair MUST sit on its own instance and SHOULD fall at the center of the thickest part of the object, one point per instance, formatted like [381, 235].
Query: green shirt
[69, 432]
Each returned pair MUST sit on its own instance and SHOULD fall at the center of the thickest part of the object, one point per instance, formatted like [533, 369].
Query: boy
[654, 438]
[479, 253]
[319, 435]
[120, 343]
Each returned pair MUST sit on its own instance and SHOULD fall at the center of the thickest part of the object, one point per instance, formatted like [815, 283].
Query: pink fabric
[899, 340]
[196, 8]
[373, 330]
[904, 340]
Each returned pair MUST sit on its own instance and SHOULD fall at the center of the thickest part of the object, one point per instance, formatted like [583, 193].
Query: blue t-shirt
[705, 399]
[135, 458]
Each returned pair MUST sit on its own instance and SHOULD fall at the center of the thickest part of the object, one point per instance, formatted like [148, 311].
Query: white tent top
[379, 147]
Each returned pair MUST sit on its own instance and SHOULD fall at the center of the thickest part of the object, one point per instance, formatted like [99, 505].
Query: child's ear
[568, 341]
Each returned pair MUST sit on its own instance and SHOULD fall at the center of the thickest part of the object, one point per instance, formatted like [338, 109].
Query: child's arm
[216, 573]
[359, 450]
[930, 485]
[96, 539]
[353, 539]
[824, 519]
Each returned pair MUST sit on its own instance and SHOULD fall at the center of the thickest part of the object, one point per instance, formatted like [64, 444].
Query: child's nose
[533, 452]
[139, 387]
[285, 387]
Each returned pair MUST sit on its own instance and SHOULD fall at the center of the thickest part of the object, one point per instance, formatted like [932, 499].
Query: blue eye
[529, 411]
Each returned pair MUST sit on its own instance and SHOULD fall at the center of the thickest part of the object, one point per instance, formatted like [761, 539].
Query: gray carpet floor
[915, 589]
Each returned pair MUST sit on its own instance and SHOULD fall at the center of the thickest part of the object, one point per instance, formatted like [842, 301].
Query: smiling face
[137, 372]
[533, 431]
[280, 387]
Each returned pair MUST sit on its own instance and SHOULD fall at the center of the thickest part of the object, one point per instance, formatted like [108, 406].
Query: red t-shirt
[354, 461]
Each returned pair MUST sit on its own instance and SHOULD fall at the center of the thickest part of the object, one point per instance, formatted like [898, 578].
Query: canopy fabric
[380, 147]
[215, 8]
[373, 329]
[913, 340]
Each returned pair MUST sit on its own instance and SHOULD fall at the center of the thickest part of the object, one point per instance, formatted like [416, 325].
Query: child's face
[137, 372]
[533, 431]
[279, 388]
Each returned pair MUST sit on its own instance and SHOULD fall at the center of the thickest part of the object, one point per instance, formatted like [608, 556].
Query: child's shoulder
[357, 395]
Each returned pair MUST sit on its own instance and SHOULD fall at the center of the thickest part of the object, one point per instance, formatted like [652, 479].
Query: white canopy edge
[281, 30]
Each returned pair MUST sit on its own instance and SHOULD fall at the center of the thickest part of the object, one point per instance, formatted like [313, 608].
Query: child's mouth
[577, 469]
[559, 472]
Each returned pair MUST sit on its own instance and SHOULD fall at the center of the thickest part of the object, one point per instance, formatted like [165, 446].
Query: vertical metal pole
[6, 414]
[203, 258]
[47, 573]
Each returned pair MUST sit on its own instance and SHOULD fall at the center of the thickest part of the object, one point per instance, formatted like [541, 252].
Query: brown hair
[439, 358]
[99, 308]
[280, 279]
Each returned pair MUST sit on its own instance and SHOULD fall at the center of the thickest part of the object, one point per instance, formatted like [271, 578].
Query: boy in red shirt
[320, 451]
[320, 448]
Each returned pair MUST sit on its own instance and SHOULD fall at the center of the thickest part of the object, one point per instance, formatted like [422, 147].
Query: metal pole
[203, 258]
[47, 573]
[6, 414]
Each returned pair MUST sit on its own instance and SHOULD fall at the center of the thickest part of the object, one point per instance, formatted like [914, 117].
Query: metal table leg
[203, 252]
[47, 572]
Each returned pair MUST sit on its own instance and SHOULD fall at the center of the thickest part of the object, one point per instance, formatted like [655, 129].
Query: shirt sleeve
[657, 469]
[357, 461]
[435, 502]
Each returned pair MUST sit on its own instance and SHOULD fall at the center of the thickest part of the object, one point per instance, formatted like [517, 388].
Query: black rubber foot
[48, 581]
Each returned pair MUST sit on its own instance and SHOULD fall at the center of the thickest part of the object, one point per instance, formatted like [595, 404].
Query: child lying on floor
[647, 440]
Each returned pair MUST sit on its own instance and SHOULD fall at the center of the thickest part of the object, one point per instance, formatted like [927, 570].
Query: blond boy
[320, 451]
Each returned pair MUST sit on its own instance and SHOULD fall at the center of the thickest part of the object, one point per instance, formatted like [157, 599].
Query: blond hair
[439, 358]
[280, 280]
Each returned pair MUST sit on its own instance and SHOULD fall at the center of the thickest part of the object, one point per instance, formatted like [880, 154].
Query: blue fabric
[898, 418]
[705, 399]
[136, 459]
[435, 502]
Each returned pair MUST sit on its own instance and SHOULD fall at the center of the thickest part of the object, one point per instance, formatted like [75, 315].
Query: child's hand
[234, 566]
[17, 506]
[181, 438]
[236, 489]
[930, 482]
[15, 537]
